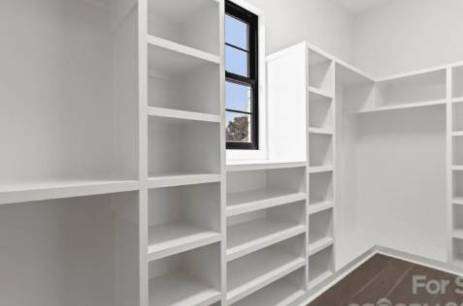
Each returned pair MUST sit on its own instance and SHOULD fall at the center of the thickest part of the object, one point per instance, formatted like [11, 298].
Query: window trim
[252, 81]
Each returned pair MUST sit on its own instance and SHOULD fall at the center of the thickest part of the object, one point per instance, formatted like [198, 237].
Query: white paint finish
[408, 35]
[360, 6]
[322, 22]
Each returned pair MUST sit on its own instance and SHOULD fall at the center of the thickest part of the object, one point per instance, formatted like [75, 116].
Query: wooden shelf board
[319, 207]
[320, 169]
[282, 292]
[176, 179]
[181, 289]
[320, 131]
[263, 165]
[258, 270]
[320, 245]
[184, 115]
[248, 237]
[182, 49]
[404, 106]
[170, 239]
[248, 201]
[319, 279]
[320, 92]
[49, 190]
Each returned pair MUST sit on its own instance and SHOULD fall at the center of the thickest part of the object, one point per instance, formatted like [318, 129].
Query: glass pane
[236, 61]
[238, 96]
[238, 127]
[236, 32]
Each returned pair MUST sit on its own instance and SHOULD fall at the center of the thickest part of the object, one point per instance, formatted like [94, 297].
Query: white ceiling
[358, 6]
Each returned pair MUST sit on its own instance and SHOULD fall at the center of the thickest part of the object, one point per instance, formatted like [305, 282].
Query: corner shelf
[48, 190]
[170, 239]
[324, 94]
[404, 106]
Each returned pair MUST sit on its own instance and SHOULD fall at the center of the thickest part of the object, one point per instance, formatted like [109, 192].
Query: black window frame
[252, 80]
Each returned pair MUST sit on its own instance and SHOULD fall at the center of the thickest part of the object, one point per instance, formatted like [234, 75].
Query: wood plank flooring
[386, 281]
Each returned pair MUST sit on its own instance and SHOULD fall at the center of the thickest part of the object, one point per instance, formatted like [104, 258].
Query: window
[241, 73]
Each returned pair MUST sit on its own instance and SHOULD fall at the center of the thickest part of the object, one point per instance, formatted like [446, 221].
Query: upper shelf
[403, 106]
[252, 165]
[28, 192]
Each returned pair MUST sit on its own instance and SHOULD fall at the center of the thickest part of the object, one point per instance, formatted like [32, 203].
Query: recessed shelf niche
[320, 226]
[321, 188]
[321, 150]
[320, 72]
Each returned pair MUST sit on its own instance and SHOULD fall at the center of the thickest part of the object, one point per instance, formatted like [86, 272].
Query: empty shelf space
[252, 200]
[176, 179]
[188, 278]
[185, 50]
[165, 240]
[26, 192]
[184, 115]
[181, 289]
[319, 245]
[320, 279]
[182, 21]
[248, 237]
[282, 292]
[320, 150]
[319, 207]
[320, 169]
[321, 187]
[320, 131]
[404, 106]
[253, 272]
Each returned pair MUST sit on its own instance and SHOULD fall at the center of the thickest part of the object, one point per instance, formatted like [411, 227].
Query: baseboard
[355, 263]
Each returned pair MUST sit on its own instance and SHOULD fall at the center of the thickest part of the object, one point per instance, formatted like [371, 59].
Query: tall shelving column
[182, 152]
[455, 162]
[321, 150]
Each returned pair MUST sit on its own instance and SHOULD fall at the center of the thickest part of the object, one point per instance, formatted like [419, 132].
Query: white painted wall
[408, 35]
[321, 22]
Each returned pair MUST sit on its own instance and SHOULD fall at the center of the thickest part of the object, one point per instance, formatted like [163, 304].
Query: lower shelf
[253, 272]
[319, 279]
[165, 240]
[280, 293]
[180, 289]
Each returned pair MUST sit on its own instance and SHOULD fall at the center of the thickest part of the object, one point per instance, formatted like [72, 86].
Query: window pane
[238, 96]
[236, 61]
[238, 127]
[236, 32]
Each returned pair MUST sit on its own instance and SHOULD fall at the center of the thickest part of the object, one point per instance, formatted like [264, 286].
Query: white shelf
[320, 245]
[182, 179]
[238, 166]
[320, 169]
[319, 279]
[279, 293]
[27, 192]
[457, 133]
[253, 272]
[320, 92]
[180, 289]
[166, 240]
[458, 200]
[457, 168]
[248, 237]
[404, 106]
[182, 49]
[320, 131]
[457, 100]
[319, 207]
[458, 234]
[248, 201]
[184, 115]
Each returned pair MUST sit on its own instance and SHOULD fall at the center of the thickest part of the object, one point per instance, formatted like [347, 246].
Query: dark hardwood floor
[386, 281]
